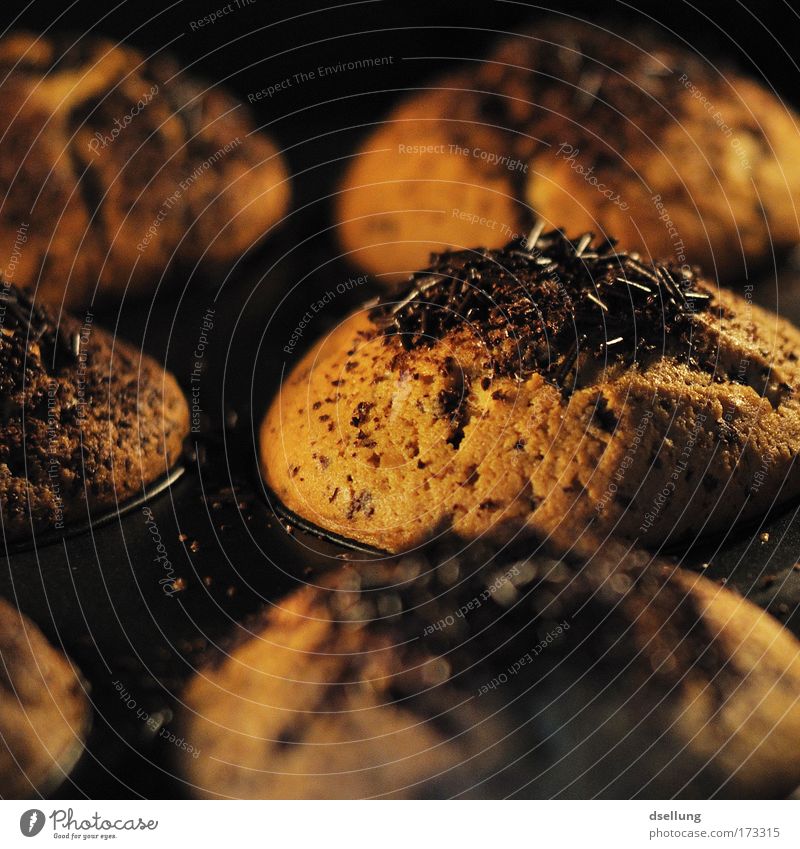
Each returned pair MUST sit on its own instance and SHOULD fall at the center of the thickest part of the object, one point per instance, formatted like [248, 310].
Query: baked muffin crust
[552, 384]
[87, 420]
[591, 127]
[116, 165]
[480, 675]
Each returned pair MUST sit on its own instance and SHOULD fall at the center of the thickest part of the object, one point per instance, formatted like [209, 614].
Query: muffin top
[561, 309]
[554, 384]
[469, 671]
[614, 128]
[611, 86]
[87, 420]
[129, 165]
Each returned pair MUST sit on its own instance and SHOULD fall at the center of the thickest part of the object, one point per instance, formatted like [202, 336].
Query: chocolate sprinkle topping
[616, 85]
[18, 311]
[551, 305]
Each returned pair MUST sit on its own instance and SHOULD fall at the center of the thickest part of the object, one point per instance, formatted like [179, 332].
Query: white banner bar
[403, 825]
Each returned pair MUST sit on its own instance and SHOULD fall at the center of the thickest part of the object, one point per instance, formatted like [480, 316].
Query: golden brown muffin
[619, 132]
[44, 712]
[551, 384]
[87, 420]
[476, 674]
[115, 165]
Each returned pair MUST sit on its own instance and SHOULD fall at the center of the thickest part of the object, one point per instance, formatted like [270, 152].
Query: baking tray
[98, 592]
[230, 547]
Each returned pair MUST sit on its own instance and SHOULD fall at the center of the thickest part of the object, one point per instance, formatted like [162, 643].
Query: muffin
[554, 384]
[44, 711]
[87, 420]
[115, 165]
[617, 131]
[477, 674]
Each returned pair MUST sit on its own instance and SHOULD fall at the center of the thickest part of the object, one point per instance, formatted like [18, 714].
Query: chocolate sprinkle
[20, 312]
[551, 305]
[616, 87]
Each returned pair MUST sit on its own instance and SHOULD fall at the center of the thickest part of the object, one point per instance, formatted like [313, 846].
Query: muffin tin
[99, 592]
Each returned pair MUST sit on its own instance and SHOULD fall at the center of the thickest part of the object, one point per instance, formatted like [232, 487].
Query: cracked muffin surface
[554, 384]
[617, 130]
[87, 419]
